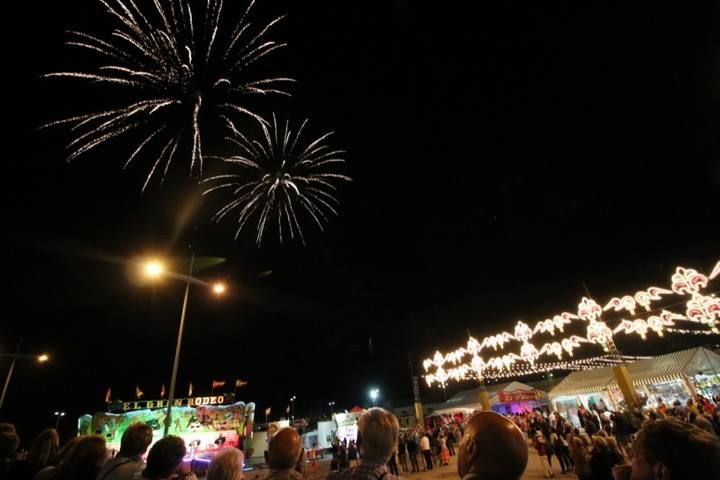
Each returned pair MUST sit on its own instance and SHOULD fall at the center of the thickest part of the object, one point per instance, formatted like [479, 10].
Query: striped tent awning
[658, 369]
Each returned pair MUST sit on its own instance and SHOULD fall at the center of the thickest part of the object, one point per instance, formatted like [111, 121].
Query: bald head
[285, 449]
[492, 447]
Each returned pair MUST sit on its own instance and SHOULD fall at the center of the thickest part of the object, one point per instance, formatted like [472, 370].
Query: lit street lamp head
[43, 358]
[153, 269]
[219, 288]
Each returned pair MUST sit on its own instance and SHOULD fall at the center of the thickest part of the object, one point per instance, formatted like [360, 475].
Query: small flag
[267, 411]
[287, 410]
[218, 384]
[240, 383]
[190, 390]
[162, 391]
[107, 395]
[138, 393]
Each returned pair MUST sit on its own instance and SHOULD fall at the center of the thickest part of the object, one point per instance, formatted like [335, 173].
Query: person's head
[492, 447]
[285, 449]
[672, 449]
[227, 465]
[43, 449]
[136, 439]
[165, 457]
[598, 443]
[9, 443]
[84, 460]
[7, 427]
[379, 429]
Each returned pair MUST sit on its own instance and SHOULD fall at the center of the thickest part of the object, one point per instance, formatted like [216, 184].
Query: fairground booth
[674, 376]
[505, 398]
[205, 423]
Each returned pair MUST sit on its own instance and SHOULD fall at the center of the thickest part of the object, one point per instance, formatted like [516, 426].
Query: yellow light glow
[153, 268]
[219, 288]
[43, 358]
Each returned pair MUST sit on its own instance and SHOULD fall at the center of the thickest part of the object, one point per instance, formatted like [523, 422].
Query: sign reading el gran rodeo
[178, 402]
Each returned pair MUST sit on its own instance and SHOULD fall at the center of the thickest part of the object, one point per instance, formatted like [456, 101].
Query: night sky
[502, 155]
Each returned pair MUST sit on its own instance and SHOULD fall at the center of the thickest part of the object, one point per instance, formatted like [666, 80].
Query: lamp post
[153, 270]
[58, 416]
[292, 407]
[42, 358]
[176, 361]
[332, 407]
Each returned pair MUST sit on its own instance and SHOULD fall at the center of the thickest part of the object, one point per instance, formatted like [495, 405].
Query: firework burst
[281, 179]
[179, 66]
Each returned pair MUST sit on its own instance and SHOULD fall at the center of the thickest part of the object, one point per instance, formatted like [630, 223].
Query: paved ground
[533, 471]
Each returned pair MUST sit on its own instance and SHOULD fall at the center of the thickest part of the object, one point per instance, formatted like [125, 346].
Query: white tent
[663, 368]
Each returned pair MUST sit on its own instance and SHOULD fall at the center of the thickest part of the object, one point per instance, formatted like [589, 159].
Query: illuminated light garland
[529, 353]
[589, 310]
[557, 322]
[715, 271]
[643, 298]
[625, 303]
[465, 372]
[703, 309]
[700, 309]
[688, 281]
[600, 333]
[496, 340]
[712, 331]
[523, 332]
[656, 323]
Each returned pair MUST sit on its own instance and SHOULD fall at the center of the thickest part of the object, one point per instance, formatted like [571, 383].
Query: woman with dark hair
[42, 453]
[84, 460]
[48, 473]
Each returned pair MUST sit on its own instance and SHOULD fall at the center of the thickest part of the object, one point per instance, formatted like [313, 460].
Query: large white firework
[176, 63]
[280, 179]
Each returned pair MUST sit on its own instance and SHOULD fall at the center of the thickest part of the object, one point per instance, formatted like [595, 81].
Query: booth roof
[652, 370]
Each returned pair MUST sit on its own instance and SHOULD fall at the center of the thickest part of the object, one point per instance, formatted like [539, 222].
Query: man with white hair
[379, 430]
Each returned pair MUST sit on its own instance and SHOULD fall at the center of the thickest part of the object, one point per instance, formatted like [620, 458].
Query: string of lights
[701, 309]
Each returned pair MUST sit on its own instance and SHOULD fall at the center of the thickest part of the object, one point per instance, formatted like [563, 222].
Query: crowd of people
[604, 438]
[663, 443]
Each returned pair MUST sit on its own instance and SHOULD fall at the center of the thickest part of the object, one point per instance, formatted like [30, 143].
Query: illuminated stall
[205, 423]
[505, 398]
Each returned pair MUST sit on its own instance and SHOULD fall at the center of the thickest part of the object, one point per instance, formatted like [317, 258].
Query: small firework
[178, 67]
[281, 179]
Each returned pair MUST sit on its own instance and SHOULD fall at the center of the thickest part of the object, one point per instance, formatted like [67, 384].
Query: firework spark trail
[278, 179]
[178, 64]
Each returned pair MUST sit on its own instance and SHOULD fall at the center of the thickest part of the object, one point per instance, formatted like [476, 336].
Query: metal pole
[171, 395]
[10, 372]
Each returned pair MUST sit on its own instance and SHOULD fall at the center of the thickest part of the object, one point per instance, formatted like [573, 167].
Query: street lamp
[153, 270]
[58, 416]
[374, 393]
[292, 406]
[219, 288]
[42, 358]
[331, 405]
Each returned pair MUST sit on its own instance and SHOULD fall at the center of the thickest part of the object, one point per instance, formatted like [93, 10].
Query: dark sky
[502, 154]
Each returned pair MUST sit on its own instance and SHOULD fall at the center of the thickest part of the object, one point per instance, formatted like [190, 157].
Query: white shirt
[424, 443]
